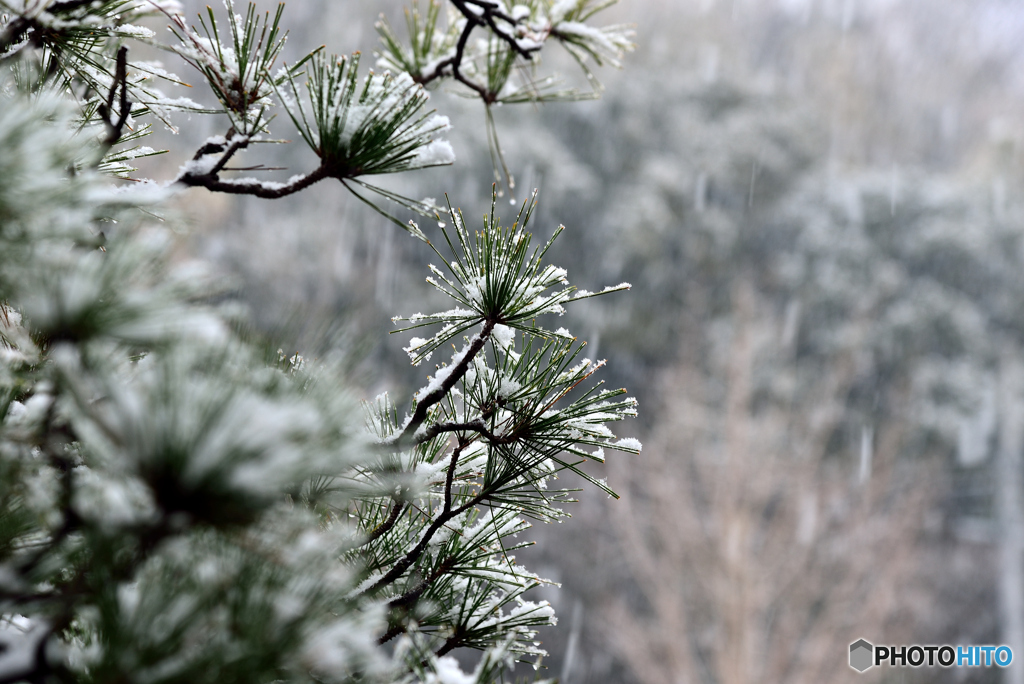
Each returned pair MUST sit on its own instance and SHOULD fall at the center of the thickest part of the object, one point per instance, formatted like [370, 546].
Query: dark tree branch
[410, 597]
[414, 555]
[211, 181]
[212, 147]
[68, 5]
[455, 62]
[385, 527]
[457, 373]
[417, 550]
[489, 13]
[390, 634]
[257, 167]
[472, 426]
[453, 642]
[13, 33]
[235, 143]
[446, 514]
[417, 419]
[120, 83]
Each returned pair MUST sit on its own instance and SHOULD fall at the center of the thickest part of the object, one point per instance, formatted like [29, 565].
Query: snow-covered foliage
[367, 128]
[239, 72]
[147, 454]
[178, 505]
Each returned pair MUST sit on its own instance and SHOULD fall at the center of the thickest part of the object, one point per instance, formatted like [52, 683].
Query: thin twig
[236, 143]
[455, 62]
[491, 11]
[487, 17]
[257, 167]
[409, 598]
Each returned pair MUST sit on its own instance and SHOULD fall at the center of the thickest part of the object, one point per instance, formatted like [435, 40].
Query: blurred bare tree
[755, 549]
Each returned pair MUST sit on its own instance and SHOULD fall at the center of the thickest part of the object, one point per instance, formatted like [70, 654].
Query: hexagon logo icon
[861, 655]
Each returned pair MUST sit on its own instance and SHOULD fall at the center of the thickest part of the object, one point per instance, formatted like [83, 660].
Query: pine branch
[417, 551]
[237, 142]
[457, 373]
[70, 521]
[359, 127]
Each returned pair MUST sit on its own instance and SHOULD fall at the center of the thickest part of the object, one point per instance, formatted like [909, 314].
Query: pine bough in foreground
[175, 509]
[175, 506]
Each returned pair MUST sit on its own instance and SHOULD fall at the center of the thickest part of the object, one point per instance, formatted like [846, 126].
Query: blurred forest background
[819, 205]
